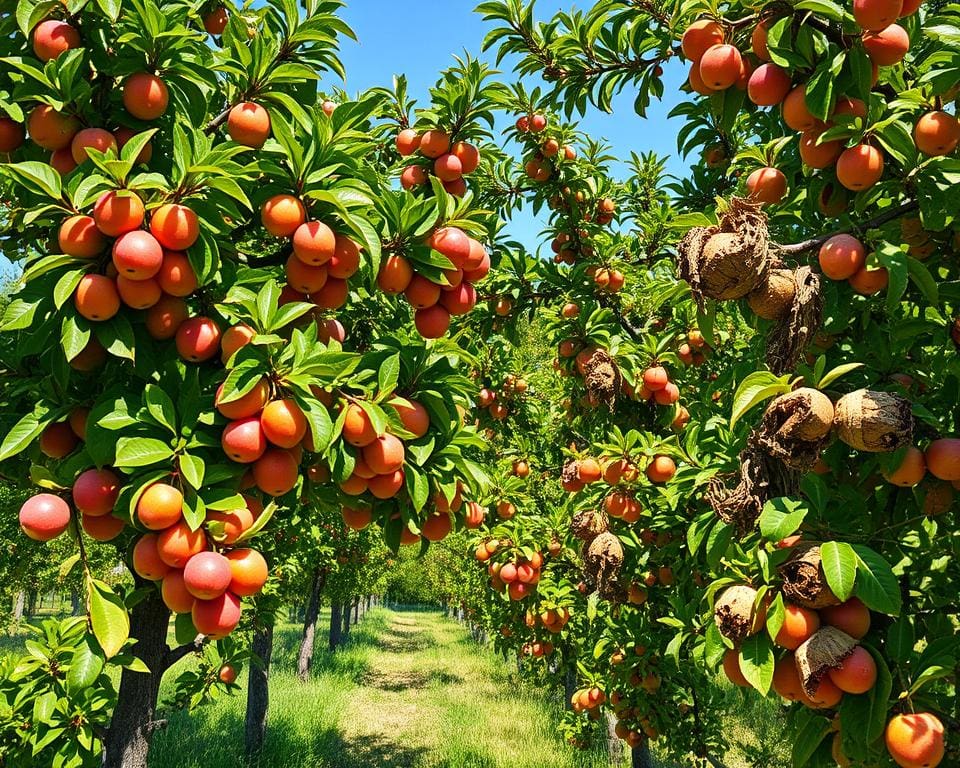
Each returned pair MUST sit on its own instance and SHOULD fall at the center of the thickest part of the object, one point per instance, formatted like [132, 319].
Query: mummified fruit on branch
[588, 524]
[774, 296]
[735, 613]
[877, 422]
[804, 582]
[825, 650]
[602, 561]
[809, 414]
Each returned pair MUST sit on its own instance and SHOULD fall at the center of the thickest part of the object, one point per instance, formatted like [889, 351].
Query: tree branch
[173, 655]
[883, 218]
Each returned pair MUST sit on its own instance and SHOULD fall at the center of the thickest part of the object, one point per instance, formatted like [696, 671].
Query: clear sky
[419, 41]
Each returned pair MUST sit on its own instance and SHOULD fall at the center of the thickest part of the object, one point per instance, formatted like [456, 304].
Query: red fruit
[459, 300]
[407, 142]
[699, 37]
[395, 274]
[216, 21]
[51, 38]
[91, 138]
[386, 486]
[432, 322]
[768, 85]
[283, 423]
[436, 527]
[937, 133]
[176, 276]
[434, 143]
[915, 740]
[655, 378]
[95, 492]
[452, 243]
[177, 544]
[139, 294]
[174, 593]
[413, 176]
[145, 96]
[413, 415]
[96, 298]
[468, 155]
[44, 517]
[887, 46]
[314, 243]
[282, 215]
[51, 129]
[207, 575]
[860, 167]
[875, 15]
[249, 571]
[12, 135]
[276, 472]
[357, 428]
[857, 673]
[448, 167]
[841, 257]
[243, 440]
[346, 258]
[198, 339]
[796, 114]
[159, 507]
[166, 316]
[767, 185]
[137, 255]
[104, 528]
[57, 440]
[852, 617]
[218, 617]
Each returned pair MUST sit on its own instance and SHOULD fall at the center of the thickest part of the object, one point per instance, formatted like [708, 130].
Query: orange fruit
[915, 740]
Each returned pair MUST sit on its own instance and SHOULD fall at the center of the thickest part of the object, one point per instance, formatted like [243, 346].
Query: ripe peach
[175, 226]
[357, 428]
[448, 167]
[145, 96]
[147, 563]
[57, 440]
[52, 37]
[421, 292]
[841, 257]
[249, 571]
[453, 243]
[799, 624]
[407, 142]
[176, 276]
[165, 317]
[304, 278]
[413, 176]
[12, 135]
[235, 337]
[51, 129]
[937, 133]
[700, 36]
[767, 185]
[384, 455]
[96, 297]
[432, 322]
[217, 618]
[852, 617]
[720, 66]
[413, 415]
[860, 167]
[795, 112]
[283, 423]
[655, 378]
[857, 673]
[333, 295]
[887, 46]
[331, 329]
[661, 469]
[248, 124]
[357, 518]
[386, 486]
[207, 575]
[118, 212]
[468, 155]
[434, 143]
[768, 85]
[276, 471]
[249, 404]
[79, 236]
[943, 458]
[103, 528]
[61, 160]
[137, 255]
[314, 243]
[243, 440]
[124, 134]
[395, 274]
[282, 215]
[816, 155]
[234, 524]
[198, 339]
[875, 15]
[159, 507]
[177, 544]
[346, 258]
[436, 527]
[175, 594]
[44, 517]
[915, 740]
[91, 138]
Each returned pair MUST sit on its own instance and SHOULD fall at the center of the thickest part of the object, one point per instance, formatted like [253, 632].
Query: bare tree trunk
[75, 605]
[19, 601]
[640, 756]
[258, 688]
[128, 739]
[347, 613]
[569, 686]
[31, 602]
[336, 625]
[310, 625]
[614, 745]
[356, 610]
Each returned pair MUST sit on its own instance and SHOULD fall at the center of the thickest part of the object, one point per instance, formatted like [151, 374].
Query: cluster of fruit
[518, 576]
[588, 700]
[551, 619]
[539, 166]
[495, 401]
[451, 160]
[435, 303]
[537, 649]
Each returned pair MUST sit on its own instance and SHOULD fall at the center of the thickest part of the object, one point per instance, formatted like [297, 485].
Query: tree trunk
[356, 610]
[347, 613]
[258, 691]
[640, 756]
[614, 745]
[128, 739]
[336, 624]
[310, 625]
[19, 601]
[31, 602]
[569, 687]
[75, 605]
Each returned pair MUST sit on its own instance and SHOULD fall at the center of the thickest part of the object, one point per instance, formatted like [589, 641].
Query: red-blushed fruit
[234, 524]
[857, 673]
[720, 66]
[852, 617]
[217, 618]
[700, 36]
[12, 135]
[475, 275]
[407, 142]
[937, 133]
[910, 7]
[448, 167]
[159, 507]
[333, 295]
[62, 161]
[227, 674]
[91, 138]
[176, 276]
[816, 155]
[331, 329]
[841, 257]
[875, 15]
[655, 377]
[52, 38]
[346, 258]
[943, 458]
[860, 167]
[453, 243]
[123, 135]
[437, 526]
[95, 492]
[887, 46]
[915, 740]
[96, 298]
[357, 518]
[177, 544]
[767, 185]
[768, 85]
[147, 563]
[434, 143]
[175, 226]
[304, 278]
[384, 455]
[137, 255]
[731, 667]
[243, 440]
[103, 528]
[282, 215]
[139, 294]
[413, 176]
[145, 96]
[669, 395]
[207, 575]
[44, 517]
[52, 130]
[357, 428]
[869, 281]
[276, 471]
[826, 696]
[283, 422]
[78, 236]
[422, 292]
[215, 21]
[234, 338]
[432, 322]
[166, 316]
[386, 486]
[57, 440]
[78, 422]
[798, 626]
[118, 212]
[175, 594]
[460, 299]
[248, 124]
[468, 155]
[314, 243]
[248, 571]
[413, 415]
[198, 339]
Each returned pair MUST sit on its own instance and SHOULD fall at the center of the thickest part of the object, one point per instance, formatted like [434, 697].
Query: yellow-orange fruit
[767, 185]
[860, 167]
[795, 112]
[720, 66]
[937, 133]
[248, 124]
[699, 37]
[145, 96]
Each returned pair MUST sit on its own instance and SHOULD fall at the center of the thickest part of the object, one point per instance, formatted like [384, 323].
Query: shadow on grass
[411, 679]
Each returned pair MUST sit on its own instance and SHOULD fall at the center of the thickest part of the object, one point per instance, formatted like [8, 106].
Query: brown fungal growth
[735, 613]
[825, 650]
[795, 427]
[602, 378]
[729, 261]
[797, 327]
[877, 422]
[804, 582]
[587, 524]
[773, 298]
[602, 561]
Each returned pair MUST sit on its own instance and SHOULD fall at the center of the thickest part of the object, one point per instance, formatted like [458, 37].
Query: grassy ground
[410, 690]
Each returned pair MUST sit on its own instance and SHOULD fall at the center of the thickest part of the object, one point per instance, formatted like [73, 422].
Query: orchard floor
[410, 690]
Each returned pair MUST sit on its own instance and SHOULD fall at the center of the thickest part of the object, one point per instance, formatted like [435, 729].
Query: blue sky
[419, 41]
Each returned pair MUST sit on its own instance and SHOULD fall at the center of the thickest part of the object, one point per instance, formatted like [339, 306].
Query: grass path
[410, 690]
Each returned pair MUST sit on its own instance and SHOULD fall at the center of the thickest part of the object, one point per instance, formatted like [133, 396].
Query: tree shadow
[412, 679]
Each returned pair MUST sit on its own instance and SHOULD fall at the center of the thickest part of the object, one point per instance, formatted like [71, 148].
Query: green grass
[410, 690]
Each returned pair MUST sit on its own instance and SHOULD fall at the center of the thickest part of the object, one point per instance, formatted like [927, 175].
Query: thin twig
[883, 218]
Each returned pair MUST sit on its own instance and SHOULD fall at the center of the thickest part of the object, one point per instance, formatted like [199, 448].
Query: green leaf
[23, 433]
[757, 662]
[839, 563]
[836, 373]
[755, 389]
[37, 177]
[108, 616]
[85, 667]
[183, 630]
[863, 717]
[809, 737]
[876, 586]
[192, 468]
[161, 407]
[141, 452]
[389, 374]
[901, 639]
[924, 281]
[781, 517]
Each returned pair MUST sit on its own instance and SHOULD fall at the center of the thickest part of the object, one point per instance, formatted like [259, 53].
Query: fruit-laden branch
[883, 218]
